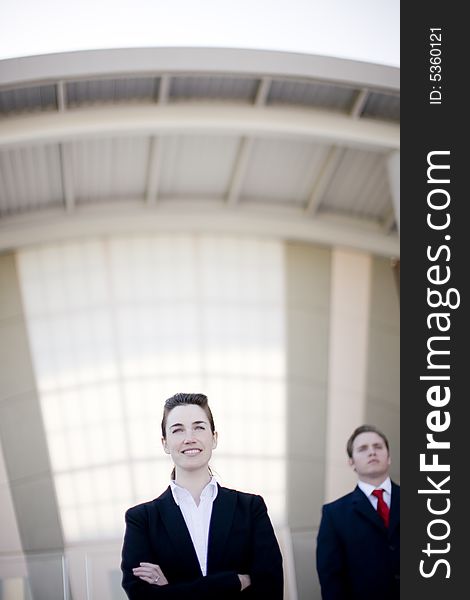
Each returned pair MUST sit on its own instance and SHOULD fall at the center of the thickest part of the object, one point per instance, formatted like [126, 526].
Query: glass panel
[33, 576]
[119, 324]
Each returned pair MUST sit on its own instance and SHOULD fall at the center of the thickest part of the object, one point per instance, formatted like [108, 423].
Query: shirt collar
[180, 493]
[368, 488]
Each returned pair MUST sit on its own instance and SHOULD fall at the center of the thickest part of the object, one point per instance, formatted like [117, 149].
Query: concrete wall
[383, 368]
[307, 322]
[343, 371]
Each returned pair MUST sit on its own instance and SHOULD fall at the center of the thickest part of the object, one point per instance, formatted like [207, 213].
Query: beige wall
[347, 364]
[307, 322]
[382, 406]
[343, 371]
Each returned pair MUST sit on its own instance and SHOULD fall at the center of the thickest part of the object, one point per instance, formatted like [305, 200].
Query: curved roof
[198, 139]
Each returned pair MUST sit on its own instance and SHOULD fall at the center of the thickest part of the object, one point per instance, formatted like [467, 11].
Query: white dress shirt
[367, 488]
[197, 517]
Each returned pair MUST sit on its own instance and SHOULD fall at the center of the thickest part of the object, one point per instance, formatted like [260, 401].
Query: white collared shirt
[197, 517]
[367, 488]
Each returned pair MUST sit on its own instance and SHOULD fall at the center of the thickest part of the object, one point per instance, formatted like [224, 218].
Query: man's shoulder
[349, 498]
[395, 491]
[341, 502]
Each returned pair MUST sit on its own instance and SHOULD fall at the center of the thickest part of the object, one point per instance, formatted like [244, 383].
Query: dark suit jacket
[241, 540]
[357, 556]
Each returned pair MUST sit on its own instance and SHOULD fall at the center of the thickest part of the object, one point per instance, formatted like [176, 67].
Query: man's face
[370, 457]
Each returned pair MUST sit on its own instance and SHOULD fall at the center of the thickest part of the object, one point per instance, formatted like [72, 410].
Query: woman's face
[189, 439]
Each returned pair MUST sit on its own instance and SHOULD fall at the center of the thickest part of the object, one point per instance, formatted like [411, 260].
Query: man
[358, 543]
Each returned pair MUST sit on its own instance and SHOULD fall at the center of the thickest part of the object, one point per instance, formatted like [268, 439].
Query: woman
[198, 540]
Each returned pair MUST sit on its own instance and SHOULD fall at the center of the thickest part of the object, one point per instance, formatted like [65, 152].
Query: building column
[308, 269]
[347, 364]
[23, 440]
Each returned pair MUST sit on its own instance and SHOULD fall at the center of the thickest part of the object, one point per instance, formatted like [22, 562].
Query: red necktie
[382, 507]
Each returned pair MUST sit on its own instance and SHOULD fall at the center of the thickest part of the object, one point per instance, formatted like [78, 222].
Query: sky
[364, 30]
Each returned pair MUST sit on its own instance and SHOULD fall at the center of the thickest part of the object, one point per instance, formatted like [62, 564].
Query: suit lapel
[395, 508]
[223, 511]
[362, 505]
[178, 533]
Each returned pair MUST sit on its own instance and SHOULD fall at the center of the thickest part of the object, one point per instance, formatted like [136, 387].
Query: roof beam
[116, 61]
[224, 119]
[66, 170]
[246, 146]
[239, 172]
[389, 221]
[359, 103]
[153, 171]
[263, 91]
[51, 225]
[327, 170]
[164, 89]
[61, 96]
[393, 170]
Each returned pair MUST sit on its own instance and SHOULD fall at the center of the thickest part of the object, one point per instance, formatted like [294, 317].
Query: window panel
[118, 325]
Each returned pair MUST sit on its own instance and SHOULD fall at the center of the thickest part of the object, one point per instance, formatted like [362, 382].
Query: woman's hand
[245, 580]
[150, 573]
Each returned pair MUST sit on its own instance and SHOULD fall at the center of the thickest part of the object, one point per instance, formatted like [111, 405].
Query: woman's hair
[182, 399]
[364, 429]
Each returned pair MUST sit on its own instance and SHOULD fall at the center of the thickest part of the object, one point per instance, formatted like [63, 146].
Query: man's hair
[365, 429]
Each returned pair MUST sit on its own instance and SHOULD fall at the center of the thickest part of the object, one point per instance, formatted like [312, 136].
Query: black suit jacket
[241, 540]
[357, 556]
